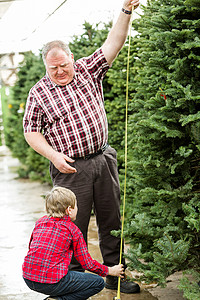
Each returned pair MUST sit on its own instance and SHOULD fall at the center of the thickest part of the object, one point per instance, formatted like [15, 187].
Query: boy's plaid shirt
[72, 118]
[51, 246]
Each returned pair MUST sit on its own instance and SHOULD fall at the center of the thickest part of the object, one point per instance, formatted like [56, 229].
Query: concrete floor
[21, 205]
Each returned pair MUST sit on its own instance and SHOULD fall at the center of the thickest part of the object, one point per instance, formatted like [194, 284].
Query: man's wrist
[127, 12]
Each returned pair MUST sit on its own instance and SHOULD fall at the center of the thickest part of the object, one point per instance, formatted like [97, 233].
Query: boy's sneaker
[128, 287]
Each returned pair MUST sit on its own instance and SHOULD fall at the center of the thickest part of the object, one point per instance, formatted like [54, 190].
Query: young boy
[53, 241]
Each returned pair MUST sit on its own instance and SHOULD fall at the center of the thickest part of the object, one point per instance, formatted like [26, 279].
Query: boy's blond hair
[57, 201]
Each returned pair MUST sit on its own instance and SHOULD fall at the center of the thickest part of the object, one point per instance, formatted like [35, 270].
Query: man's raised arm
[118, 34]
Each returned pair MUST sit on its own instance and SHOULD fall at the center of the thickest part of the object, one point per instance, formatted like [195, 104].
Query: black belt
[100, 151]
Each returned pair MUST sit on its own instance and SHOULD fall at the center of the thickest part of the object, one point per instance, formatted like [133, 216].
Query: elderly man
[65, 121]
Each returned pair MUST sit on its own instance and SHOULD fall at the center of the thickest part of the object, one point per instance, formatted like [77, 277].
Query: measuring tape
[125, 167]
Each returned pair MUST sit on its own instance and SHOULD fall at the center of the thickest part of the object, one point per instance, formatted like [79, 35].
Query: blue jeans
[73, 286]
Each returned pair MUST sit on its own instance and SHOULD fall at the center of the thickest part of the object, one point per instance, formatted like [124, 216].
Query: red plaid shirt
[51, 246]
[72, 118]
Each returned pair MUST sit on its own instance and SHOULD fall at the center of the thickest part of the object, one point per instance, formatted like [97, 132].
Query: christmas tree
[163, 215]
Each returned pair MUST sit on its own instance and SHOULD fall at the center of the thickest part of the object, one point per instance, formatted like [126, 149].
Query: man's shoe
[128, 287]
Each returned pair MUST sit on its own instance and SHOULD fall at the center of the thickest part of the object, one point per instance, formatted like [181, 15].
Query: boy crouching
[54, 240]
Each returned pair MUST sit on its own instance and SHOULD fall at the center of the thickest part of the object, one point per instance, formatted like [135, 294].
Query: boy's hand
[117, 270]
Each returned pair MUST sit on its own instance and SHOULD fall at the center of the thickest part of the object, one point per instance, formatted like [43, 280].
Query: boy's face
[72, 212]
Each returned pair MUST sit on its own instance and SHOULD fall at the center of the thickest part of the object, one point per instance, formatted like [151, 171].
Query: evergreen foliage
[33, 165]
[4, 111]
[91, 39]
[190, 285]
[163, 220]
[14, 131]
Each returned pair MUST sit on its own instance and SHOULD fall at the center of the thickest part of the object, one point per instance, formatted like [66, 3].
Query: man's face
[59, 66]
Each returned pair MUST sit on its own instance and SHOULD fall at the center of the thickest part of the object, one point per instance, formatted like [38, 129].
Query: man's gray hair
[54, 44]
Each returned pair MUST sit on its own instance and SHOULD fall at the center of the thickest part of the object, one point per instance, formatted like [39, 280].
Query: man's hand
[37, 141]
[117, 270]
[128, 4]
[60, 162]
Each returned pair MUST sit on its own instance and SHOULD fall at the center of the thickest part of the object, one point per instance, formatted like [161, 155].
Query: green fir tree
[163, 215]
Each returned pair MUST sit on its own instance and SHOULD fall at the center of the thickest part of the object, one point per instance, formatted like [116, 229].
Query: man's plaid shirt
[72, 118]
[51, 246]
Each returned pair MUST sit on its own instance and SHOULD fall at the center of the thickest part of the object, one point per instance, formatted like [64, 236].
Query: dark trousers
[96, 186]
